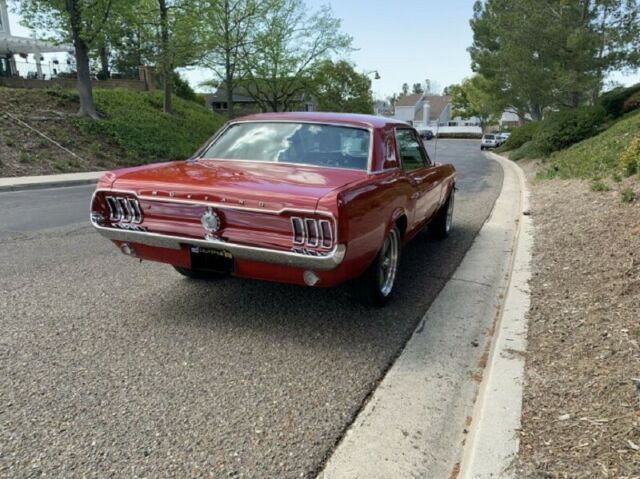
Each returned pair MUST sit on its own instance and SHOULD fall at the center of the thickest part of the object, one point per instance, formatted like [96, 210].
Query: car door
[422, 174]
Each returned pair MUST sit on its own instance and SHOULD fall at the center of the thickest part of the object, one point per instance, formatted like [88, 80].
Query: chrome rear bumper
[327, 261]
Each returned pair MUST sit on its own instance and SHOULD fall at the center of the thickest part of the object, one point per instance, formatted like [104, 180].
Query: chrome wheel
[388, 264]
[449, 218]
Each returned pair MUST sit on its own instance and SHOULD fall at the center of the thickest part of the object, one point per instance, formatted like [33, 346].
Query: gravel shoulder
[581, 411]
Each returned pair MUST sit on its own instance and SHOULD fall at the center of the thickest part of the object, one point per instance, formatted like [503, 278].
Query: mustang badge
[210, 221]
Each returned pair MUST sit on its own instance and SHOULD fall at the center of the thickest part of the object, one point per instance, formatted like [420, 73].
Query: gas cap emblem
[210, 221]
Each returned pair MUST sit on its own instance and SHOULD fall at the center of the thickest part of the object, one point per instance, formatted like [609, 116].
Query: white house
[433, 112]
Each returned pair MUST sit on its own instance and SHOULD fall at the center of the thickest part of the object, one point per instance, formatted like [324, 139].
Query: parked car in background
[489, 140]
[303, 198]
[502, 137]
[425, 134]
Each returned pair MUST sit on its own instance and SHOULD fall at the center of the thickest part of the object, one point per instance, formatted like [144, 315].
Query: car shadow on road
[297, 313]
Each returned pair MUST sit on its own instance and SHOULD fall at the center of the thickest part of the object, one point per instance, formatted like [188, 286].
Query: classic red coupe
[304, 198]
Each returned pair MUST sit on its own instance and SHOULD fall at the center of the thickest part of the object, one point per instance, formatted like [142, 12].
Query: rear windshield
[488, 137]
[289, 142]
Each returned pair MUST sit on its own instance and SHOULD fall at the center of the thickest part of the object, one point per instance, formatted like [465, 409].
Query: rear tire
[375, 286]
[199, 274]
[441, 225]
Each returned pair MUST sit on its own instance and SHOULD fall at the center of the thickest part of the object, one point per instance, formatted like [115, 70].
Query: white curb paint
[413, 424]
[493, 443]
[48, 181]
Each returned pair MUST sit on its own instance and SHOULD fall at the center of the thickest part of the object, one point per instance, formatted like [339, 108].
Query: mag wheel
[375, 286]
[441, 226]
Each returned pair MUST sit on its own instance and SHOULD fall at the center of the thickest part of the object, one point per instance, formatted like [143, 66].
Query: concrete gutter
[494, 440]
[49, 181]
[416, 421]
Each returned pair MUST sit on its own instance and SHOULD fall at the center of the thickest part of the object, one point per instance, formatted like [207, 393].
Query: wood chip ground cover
[581, 412]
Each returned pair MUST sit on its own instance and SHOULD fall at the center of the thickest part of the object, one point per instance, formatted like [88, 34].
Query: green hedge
[473, 136]
[613, 102]
[565, 127]
[521, 135]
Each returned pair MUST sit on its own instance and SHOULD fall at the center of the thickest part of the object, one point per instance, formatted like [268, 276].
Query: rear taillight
[312, 232]
[123, 209]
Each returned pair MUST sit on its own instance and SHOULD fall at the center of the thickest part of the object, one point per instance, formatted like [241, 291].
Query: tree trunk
[104, 62]
[167, 70]
[87, 106]
[229, 90]
[536, 112]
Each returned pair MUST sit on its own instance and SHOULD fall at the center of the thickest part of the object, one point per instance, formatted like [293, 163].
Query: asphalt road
[110, 367]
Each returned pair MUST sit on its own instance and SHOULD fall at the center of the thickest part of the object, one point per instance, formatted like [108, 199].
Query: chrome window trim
[229, 124]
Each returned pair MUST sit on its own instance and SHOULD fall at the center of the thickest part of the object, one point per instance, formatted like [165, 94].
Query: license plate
[211, 259]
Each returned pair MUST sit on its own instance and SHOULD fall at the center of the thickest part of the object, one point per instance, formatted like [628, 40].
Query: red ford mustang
[305, 198]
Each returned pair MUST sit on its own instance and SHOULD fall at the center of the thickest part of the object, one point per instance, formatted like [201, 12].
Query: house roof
[438, 104]
[409, 100]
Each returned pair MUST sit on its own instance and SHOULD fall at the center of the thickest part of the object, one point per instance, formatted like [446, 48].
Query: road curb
[415, 422]
[493, 442]
[20, 183]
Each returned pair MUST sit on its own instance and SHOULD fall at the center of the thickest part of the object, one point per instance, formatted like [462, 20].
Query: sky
[409, 41]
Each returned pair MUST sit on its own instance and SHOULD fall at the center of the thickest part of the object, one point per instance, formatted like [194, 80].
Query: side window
[411, 150]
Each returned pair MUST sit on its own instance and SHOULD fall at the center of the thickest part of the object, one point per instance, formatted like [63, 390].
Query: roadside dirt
[24, 152]
[581, 412]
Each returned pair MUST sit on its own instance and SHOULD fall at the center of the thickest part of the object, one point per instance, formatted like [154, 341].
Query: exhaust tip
[127, 249]
[310, 278]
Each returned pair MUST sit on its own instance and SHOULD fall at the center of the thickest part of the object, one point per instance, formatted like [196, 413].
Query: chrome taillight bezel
[123, 209]
[312, 232]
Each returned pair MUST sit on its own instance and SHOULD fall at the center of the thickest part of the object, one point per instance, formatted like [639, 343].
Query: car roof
[354, 119]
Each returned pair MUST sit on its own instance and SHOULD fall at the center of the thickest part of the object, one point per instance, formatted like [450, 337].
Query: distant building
[425, 111]
[244, 104]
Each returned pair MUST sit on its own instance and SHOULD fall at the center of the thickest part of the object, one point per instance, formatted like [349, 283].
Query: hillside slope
[133, 131]
[595, 156]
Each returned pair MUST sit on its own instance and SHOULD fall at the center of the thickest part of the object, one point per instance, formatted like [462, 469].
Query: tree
[289, 44]
[78, 21]
[417, 88]
[551, 53]
[338, 87]
[405, 90]
[228, 31]
[474, 97]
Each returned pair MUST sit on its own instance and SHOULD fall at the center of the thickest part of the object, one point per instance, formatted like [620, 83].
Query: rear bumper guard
[324, 262]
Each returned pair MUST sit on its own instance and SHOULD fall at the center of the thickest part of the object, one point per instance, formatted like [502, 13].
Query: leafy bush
[627, 195]
[566, 127]
[182, 89]
[521, 135]
[613, 102]
[599, 185]
[630, 159]
[529, 150]
[136, 122]
[632, 103]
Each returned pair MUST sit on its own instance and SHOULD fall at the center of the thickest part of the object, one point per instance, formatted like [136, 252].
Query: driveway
[114, 367]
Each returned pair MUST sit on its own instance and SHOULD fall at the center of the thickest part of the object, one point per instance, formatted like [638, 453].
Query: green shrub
[521, 135]
[566, 127]
[599, 185]
[613, 102]
[632, 103]
[627, 195]
[182, 89]
[630, 159]
[529, 150]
